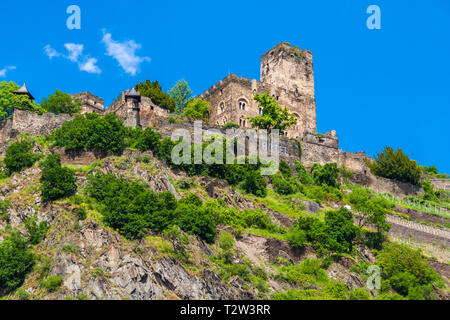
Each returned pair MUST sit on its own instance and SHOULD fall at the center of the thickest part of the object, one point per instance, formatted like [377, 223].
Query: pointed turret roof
[24, 91]
[133, 94]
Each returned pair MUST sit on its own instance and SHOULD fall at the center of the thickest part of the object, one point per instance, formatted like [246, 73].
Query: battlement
[294, 51]
[327, 140]
[233, 78]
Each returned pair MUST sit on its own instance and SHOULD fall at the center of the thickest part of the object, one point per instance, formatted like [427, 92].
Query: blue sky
[374, 87]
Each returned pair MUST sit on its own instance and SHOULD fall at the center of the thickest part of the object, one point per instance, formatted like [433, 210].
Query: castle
[286, 72]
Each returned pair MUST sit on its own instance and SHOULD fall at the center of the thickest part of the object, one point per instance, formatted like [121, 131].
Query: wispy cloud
[5, 70]
[125, 53]
[75, 54]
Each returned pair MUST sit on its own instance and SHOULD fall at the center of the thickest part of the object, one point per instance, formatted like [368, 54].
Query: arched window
[242, 104]
[260, 111]
[221, 107]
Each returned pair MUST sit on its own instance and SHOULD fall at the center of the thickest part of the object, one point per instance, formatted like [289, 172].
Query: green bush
[408, 271]
[255, 183]
[303, 175]
[57, 182]
[16, 260]
[51, 283]
[395, 165]
[37, 231]
[93, 132]
[326, 174]
[231, 125]
[359, 294]
[19, 156]
[335, 234]
[296, 238]
[282, 186]
[285, 169]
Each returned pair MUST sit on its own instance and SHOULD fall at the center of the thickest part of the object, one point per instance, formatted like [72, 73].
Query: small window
[242, 105]
[260, 111]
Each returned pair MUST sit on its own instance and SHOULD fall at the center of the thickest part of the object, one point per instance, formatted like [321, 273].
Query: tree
[197, 109]
[154, 91]
[181, 94]
[274, 116]
[255, 183]
[57, 182]
[16, 260]
[395, 165]
[93, 132]
[61, 102]
[10, 101]
[19, 156]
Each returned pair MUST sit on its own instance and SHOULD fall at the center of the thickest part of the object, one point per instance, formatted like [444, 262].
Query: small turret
[132, 101]
[23, 91]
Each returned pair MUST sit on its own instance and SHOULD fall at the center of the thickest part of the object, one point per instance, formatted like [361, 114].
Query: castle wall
[91, 103]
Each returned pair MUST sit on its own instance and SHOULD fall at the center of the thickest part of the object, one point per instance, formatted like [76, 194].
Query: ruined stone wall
[91, 103]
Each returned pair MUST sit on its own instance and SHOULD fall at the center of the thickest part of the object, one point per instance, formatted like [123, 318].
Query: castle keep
[287, 73]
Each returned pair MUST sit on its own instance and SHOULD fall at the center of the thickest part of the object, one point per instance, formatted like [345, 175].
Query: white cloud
[75, 50]
[50, 52]
[5, 70]
[90, 66]
[75, 54]
[124, 52]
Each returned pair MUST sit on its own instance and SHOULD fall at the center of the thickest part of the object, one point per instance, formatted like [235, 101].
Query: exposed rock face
[102, 266]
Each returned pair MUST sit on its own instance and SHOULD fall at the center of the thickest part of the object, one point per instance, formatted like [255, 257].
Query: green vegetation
[274, 116]
[395, 165]
[334, 235]
[154, 91]
[57, 182]
[19, 156]
[131, 208]
[407, 272]
[181, 94]
[16, 260]
[51, 283]
[91, 131]
[230, 125]
[197, 109]
[37, 231]
[10, 101]
[61, 102]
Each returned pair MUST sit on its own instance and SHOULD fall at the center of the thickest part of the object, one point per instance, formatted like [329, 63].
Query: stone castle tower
[287, 73]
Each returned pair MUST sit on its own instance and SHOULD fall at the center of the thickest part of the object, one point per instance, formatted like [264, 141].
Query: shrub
[92, 131]
[19, 156]
[395, 165]
[281, 185]
[303, 175]
[57, 182]
[51, 283]
[285, 169]
[408, 271]
[335, 234]
[296, 238]
[326, 174]
[16, 260]
[231, 125]
[255, 183]
[359, 294]
[197, 109]
[149, 140]
[194, 219]
[36, 231]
